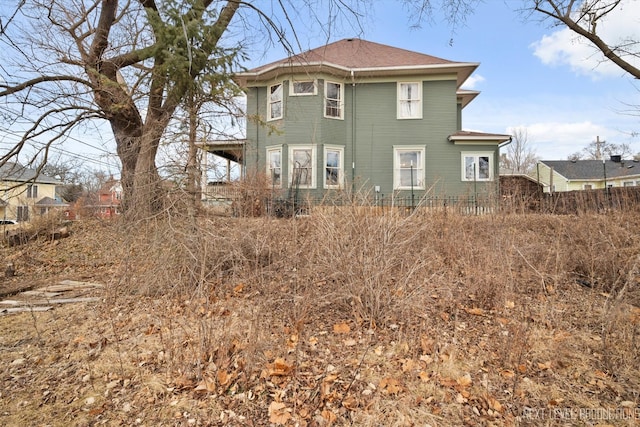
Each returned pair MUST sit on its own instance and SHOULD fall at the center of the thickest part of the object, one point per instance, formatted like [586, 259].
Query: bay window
[408, 165]
[333, 100]
[333, 167]
[409, 100]
[302, 166]
[274, 107]
[274, 166]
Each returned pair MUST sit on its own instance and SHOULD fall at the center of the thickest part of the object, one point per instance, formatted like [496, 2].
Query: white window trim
[399, 99]
[340, 103]
[477, 155]
[269, 118]
[340, 149]
[271, 149]
[292, 92]
[314, 164]
[420, 185]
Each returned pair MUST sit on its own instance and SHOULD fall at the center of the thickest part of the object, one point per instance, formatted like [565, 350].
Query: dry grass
[339, 318]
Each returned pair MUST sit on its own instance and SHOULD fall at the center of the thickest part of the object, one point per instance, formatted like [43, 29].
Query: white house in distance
[24, 193]
[571, 175]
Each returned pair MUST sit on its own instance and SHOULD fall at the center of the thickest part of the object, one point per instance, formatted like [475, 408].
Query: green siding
[370, 117]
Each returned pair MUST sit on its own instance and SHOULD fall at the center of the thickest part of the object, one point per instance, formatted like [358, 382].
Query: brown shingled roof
[358, 53]
[360, 58]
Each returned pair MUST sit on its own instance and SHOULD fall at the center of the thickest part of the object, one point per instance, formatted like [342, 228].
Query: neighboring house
[361, 115]
[570, 175]
[109, 199]
[26, 193]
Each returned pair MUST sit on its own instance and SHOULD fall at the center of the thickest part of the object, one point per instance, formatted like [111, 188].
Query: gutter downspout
[353, 133]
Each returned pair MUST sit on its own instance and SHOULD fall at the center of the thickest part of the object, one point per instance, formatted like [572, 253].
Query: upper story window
[408, 166]
[32, 191]
[477, 166]
[302, 172]
[304, 87]
[409, 100]
[274, 108]
[274, 166]
[333, 100]
[333, 167]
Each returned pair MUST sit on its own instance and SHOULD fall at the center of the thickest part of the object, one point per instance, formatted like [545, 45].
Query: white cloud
[558, 140]
[564, 47]
[473, 81]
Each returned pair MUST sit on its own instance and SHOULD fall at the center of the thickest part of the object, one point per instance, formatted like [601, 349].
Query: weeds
[451, 317]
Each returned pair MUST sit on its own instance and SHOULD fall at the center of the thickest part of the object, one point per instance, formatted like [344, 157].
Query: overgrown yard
[341, 318]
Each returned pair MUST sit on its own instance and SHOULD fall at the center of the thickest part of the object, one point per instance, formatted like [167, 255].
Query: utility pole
[599, 144]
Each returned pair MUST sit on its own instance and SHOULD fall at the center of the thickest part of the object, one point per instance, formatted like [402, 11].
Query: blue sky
[531, 75]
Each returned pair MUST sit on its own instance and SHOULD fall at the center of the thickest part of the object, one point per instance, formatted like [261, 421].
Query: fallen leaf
[206, 384]
[350, 403]
[390, 385]
[544, 366]
[507, 373]
[279, 413]
[329, 416]
[341, 328]
[223, 378]
[475, 311]
[279, 367]
[464, 380]
[238, 288]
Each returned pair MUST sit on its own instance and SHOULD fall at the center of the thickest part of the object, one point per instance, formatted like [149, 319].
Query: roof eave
[462, 70]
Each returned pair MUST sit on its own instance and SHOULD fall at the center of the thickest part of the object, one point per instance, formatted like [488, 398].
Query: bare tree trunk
[193, 175]
[147, 195]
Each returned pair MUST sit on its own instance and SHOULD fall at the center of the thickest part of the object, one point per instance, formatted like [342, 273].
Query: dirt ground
[228, 358]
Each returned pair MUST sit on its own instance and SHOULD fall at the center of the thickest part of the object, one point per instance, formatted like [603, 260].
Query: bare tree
[600, 150]
[519, 156]
[132, 63]
[583, 17]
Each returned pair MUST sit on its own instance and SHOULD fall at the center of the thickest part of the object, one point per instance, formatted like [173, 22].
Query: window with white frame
[587, 187]
[627, 184]
[302, 87]
[333, 167]
[274, 107]
[408, 166]
[274, 166]
[302, 169]
[333, 96]
[477, 166]
[409, 100]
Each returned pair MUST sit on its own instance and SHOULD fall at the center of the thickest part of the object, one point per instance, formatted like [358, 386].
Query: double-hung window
[477, 166]
[333, 167]
[274, 107]
[302, 166]
[274, 166]
[302, 88]
[408, 167]
[32, 191]
[409, 100]
[333, 100]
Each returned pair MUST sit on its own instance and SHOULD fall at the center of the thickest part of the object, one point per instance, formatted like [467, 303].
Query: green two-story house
[361, 115]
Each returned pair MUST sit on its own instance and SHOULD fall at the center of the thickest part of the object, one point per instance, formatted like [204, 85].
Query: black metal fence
[260, 203]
